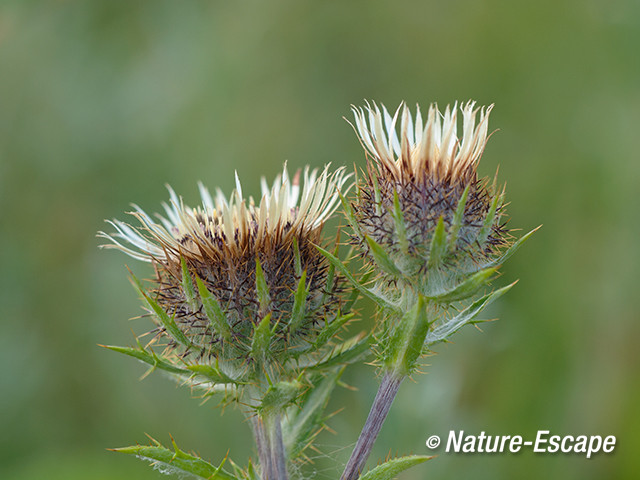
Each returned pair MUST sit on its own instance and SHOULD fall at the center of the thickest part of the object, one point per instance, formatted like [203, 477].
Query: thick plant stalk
[263, 446]
[267, 433]
[278, 454]
[379, 409]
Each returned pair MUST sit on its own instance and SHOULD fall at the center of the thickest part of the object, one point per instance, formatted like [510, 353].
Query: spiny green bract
[235, 292]
[424, 231]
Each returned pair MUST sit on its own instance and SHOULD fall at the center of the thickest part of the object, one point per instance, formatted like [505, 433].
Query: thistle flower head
[422, 184]
[246, 260]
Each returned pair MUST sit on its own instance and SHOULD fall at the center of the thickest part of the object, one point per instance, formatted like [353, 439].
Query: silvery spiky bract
[225, 266]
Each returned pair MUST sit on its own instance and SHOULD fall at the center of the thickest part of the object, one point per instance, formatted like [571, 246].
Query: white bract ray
[284, 207]
[433, 146]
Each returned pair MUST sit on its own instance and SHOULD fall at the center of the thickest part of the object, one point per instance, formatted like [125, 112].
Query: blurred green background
[103, 102]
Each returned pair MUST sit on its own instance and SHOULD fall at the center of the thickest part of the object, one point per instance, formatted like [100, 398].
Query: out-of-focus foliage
[103, 102]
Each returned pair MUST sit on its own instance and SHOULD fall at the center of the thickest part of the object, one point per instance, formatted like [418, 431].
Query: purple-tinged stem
[278, 454]
[379, 409]
[263, 447]
[267, 432]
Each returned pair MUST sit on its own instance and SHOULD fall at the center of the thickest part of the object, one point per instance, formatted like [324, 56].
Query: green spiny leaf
[212, 373]
[382, 258]
[405, 346]
[438, 250]
[401, 229]
[331, 329]
[137, 284]
[262, 288]
[351, 299]
[296, 257]
[467, 288]
[457, 219]
[213, 311]
[280, 396]
[250, 473]
[355, 293]
[489, 220]
[389, 469]
[442, 332]
[376, 194]
[303, 425]
[177, 461]
[168, 322]
[514, 248]
[331, 273]
[261, 340]
[344, 353]
[187, 286]
[299, 304]
[351, 216]
[150, 358]
[382, 302]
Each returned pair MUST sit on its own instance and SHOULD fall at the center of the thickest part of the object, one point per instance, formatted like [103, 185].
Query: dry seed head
[429, 168]
[221, 242]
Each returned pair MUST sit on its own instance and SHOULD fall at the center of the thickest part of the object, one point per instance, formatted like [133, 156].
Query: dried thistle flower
[250, 258]
[432, 231]
[423, 184]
